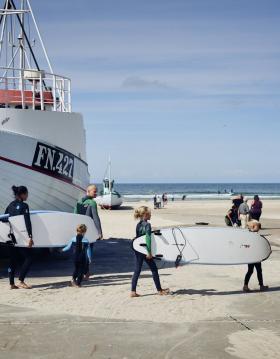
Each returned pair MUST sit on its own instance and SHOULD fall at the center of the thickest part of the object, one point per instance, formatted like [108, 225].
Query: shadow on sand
[211, 292]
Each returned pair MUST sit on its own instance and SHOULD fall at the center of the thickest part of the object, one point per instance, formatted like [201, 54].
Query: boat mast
[110, 183]
[21, 46]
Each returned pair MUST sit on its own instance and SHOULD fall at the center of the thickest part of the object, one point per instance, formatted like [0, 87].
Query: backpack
[81, 208]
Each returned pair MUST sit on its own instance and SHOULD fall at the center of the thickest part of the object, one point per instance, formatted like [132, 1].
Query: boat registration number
[54, 161]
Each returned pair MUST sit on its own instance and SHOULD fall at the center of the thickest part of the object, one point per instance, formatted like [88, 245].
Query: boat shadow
[214, 292]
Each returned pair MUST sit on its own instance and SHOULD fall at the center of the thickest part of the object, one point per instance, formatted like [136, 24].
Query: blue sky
[174, 90]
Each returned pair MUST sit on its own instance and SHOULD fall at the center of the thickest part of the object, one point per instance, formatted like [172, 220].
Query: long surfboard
[206, 245]
[50, 229]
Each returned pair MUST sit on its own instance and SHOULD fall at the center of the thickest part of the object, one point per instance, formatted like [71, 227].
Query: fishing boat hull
[55, 176]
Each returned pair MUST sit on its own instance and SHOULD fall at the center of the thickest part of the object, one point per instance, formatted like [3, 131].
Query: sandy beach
[206, 298]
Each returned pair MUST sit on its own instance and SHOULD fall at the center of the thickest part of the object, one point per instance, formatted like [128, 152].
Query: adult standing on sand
[87, 206]
[18, 207]
[243, 213]
[144, 228]
[256, 208]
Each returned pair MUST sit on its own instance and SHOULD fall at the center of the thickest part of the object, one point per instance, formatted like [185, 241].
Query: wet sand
[208, 315]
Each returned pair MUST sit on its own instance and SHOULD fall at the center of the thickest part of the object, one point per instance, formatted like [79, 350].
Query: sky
[172, 90]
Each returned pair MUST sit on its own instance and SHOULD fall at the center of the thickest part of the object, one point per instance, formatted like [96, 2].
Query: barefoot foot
[13, 286]
[23, 285]
[134, 295]
[164, 291]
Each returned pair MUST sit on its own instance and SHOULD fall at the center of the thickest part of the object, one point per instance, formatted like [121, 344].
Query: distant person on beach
[87, 206]
[184, 197]
[231, 217]
[158, 201]
[254, 226]
[144, 228]
[155, 201]
[256, 208]
[164, 199]
[82, 255]
[17, 208]
[243, 213]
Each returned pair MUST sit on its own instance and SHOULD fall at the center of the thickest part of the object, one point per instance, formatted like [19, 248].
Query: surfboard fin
[157, 232]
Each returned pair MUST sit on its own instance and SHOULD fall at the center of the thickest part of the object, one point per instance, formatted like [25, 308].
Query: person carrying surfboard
[18, 207]
[87, 206]
[82, 255]
[254, 226]
[143, 213]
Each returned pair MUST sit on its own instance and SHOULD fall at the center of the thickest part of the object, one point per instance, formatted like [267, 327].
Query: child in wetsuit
[82, 255]
[144, 228]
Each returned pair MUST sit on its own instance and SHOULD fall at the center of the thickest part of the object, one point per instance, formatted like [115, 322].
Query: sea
[190, 191]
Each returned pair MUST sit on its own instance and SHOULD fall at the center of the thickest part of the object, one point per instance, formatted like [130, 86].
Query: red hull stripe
[40, 171]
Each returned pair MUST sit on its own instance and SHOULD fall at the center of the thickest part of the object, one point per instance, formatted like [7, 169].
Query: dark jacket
[19, 208]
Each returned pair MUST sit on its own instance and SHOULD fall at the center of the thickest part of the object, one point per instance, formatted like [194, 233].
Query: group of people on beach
[82, 248]
[241, 215]
[22, 258]
[160, 201]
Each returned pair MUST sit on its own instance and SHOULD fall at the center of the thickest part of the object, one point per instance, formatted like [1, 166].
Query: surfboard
[50, 229]
[206, 245]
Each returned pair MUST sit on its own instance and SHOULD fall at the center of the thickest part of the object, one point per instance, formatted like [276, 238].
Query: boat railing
[34, 89]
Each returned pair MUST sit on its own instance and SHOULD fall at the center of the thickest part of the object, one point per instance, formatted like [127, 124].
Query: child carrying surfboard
[143, 227]
[82, 255]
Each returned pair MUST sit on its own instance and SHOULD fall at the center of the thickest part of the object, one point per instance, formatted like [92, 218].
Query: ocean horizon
[138, 191]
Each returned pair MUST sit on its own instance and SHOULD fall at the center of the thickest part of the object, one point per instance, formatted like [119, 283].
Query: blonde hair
[90, 187]
[81, 229]
[141, 212]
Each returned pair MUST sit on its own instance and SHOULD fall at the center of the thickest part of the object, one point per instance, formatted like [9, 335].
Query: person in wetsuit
[144, 228]
[82, 255]
[17, 208]
[87, 206]
[254, 226]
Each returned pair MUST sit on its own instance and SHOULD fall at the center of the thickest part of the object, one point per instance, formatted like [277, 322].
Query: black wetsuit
[82, 256]
[258, 267]
[18, 208]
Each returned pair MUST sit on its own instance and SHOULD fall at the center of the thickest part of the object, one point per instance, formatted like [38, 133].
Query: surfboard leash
[179, 257]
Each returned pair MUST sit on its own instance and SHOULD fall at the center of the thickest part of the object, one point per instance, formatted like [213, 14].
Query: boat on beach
[42, 141]
[109, 197]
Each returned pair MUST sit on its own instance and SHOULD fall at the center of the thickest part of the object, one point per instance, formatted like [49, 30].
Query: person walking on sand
[243, 213]
[144, 228]
[256, 208]
[87, 206]
[254, 227]
[18, 207]
[82, 255]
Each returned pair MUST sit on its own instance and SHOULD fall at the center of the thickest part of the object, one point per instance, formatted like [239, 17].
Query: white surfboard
[50, 229]
[206, 245]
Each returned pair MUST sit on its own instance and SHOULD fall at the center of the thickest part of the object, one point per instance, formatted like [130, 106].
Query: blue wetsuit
[82, 255]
